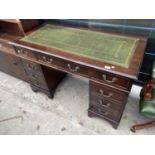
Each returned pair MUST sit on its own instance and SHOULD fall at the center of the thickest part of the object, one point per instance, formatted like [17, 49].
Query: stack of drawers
[36, 77]
[107, 100]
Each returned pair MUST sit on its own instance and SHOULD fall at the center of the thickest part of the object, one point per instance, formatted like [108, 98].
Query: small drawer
[112, 115]
[23, 52]
[36, 76]
[31, 66]
[108, 93]
[4, 47]
[111, 79]
[39, 83]
[104, 103]
[34, 73]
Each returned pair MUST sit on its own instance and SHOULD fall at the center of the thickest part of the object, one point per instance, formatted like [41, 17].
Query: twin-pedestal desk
[110, 62]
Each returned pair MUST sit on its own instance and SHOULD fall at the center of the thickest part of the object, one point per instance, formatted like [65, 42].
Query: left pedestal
[42, 78]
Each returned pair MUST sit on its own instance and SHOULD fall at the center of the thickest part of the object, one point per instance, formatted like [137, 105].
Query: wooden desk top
[114, 53]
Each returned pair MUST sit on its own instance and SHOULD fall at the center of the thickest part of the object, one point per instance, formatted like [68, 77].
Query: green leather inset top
[113, 49]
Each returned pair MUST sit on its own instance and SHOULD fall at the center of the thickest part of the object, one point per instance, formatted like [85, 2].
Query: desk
[110, 62]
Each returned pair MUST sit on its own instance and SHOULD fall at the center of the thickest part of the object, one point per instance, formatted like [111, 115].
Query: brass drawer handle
[73, 69]
[106, 105]
[103, 112]
[114, 79]
[105, 95]
[20, 51]
[47, 60]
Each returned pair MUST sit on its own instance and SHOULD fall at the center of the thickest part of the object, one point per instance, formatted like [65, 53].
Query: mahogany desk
[110, 62]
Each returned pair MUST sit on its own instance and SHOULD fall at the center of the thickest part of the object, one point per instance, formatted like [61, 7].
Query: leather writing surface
[113, 49]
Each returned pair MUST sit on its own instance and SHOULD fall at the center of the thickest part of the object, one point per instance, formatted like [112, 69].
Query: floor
[24, 112]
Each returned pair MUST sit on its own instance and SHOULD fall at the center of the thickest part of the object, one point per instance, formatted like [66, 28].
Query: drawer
[39, 83]
[111, 79]
[37, 79]
[112, 115]
[74, 68]
[4, 47]
[26, 53]
[47, 59]
[35, 74]
[108, 93]
[63, 64]
[31, 66]
[103, 103]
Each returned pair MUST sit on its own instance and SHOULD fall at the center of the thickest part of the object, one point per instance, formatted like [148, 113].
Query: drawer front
[35, 74]
[41, 84]
[36, 78]
[63, 64]
[108, 93]
[103, 103]
[26, 53]
[31, 66]
[110, 79]
[112, 115]
[46, 59]
[74, 68]
[4, 47]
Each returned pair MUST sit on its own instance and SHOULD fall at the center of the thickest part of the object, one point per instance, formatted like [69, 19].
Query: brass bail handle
[47, 60]
[73, 69]
[114, 79]
[106, 105]
[105, 95]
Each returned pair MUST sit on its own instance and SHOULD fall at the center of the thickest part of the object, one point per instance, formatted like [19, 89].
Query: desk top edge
[121, 71]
